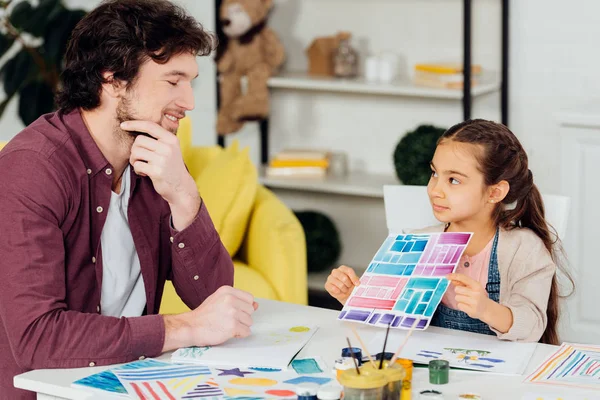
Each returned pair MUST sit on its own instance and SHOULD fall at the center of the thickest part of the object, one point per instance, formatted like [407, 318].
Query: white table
[327, 342]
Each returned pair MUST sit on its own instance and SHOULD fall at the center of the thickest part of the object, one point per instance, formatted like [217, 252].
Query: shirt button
[89, 171]
[99, 209]
[108, 171]
[92, 364]
[97, 308]
[171, 239]
[196, 277]
[94, 260]
[181, 245]
[142, 357]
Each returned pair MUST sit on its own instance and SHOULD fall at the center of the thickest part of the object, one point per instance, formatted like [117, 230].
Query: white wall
[204, 87]
[553, 66]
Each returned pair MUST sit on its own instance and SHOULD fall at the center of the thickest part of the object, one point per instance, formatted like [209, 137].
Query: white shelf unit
[405, 88]
[353, 184]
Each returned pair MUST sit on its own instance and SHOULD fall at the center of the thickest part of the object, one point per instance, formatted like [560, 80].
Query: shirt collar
[92, 156]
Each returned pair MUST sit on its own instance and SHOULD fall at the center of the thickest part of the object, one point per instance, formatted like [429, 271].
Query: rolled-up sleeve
[41, 331]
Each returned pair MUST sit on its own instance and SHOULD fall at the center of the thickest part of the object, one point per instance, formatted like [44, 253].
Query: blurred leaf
[20, 14]
[5, 43]
[4, 104]
[57, 38]
[17, 71]
[36, 98]
[40, 18]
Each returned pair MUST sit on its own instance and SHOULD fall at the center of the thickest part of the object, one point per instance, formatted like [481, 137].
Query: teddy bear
[250, 50]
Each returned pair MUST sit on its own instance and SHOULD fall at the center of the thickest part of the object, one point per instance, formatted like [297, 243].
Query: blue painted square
[307, 379]
[408, 247]
[387, 258]
[357, 315]
[396, 259]
[400, 237]
[398, 246]
[408, 294]
[436, 297]
[306, 366]
[389, 269]
[408, 237]
[427, 296]
[419, 245]
[401, 305]
[397, 321]
[416, 299]
[423, 283]
[420, 309]
[411, 258]
[409, 270]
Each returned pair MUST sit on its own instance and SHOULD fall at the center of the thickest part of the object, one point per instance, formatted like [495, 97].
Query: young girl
[505, 283]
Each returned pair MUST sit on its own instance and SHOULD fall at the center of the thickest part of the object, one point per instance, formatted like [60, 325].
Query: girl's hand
[471, 296]
[340, 283]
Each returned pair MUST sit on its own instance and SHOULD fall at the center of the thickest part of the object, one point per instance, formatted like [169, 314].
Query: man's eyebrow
[179, 73]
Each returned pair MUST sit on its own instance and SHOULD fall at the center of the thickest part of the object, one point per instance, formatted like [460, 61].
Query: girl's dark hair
[503, 158]
[119, 36]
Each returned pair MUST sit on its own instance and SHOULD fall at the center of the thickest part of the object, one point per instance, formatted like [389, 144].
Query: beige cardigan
[526, 272]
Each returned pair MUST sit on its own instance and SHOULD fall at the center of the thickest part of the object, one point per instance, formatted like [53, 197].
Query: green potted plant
[414, 153]
[41, 32]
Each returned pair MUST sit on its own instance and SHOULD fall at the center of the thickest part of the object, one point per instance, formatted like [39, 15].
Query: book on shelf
[302, 154]
[298, 162]
[444, 76]
[295, 172]
[446, 68]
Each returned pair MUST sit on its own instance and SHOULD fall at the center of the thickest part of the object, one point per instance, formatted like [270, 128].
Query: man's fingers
[240, 294]
[244, 319]
[142, 168]
[141, 154]
[151, 128]
[146, 143]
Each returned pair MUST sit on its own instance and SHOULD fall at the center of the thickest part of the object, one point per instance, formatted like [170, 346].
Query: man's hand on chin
[158, 156]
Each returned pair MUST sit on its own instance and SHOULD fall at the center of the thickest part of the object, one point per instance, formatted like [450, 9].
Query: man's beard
[124, 113]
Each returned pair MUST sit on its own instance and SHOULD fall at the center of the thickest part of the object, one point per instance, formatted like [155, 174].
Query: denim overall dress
[446, 317]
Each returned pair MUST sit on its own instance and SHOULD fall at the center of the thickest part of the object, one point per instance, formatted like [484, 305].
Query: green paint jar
[439, 372]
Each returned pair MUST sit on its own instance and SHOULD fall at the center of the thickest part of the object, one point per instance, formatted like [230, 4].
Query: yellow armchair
[271, 262]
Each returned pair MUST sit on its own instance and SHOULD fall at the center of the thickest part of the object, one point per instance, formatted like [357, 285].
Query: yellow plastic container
[407, 383]
[394, 376]
[368, 385]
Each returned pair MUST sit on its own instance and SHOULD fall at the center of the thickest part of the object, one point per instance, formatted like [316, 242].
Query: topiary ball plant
[323, 246]
[414, 153]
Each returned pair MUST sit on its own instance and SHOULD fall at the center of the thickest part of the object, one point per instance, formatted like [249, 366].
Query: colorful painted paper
[405, 281]
[268, 346]
[574, 365]
[474, 352]
[168, 382]
[106, 381]
[174, 382]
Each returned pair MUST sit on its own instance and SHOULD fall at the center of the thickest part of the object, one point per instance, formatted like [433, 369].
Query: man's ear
[111, 86]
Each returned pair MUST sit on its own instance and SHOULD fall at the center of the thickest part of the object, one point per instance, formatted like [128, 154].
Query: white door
[580, 136]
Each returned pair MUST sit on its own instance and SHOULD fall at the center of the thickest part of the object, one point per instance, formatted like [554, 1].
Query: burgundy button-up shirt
[54, 195]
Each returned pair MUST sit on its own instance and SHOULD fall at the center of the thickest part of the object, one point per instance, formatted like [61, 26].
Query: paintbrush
[364, 348]
[397, 354]
[387, 332]
[353, 357]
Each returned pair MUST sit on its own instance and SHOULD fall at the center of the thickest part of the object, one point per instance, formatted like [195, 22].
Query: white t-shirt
[123, 293]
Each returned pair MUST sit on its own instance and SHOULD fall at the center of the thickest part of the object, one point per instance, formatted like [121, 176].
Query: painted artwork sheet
[269, 346]
[178, 381]
[405, 281]
[107, 381]
[574, 365]
[473, 352]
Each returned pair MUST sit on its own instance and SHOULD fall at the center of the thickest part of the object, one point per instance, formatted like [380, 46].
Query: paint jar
[439, 371]
[368, 385]
[394, 376]
[407, 382]
[347, 353]
[329, 392]
[469, 396]
[342, 364]
[307, 391]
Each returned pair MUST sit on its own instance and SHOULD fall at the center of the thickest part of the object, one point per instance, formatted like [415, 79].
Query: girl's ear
[498, 192]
